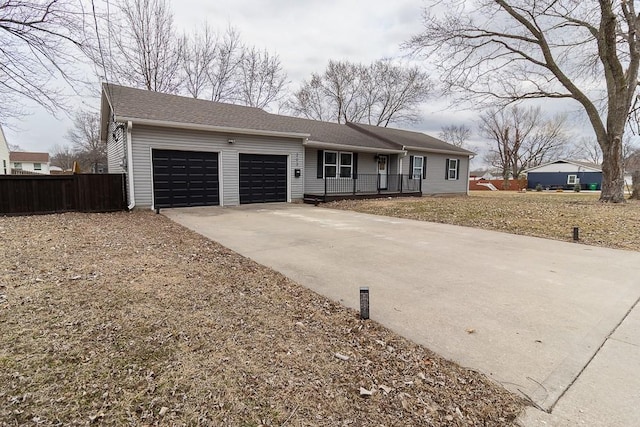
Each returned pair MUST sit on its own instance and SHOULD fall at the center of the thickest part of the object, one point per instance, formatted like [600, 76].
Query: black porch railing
[372, 184]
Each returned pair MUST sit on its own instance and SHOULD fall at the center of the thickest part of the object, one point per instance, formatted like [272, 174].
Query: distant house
[23, 162]
[5, 164]
[565, 174]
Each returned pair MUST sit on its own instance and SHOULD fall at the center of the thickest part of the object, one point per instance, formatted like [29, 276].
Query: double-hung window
[418, 167]
[17, 165]
[346, 165]
[37, 166]
[330, 164]
[452, 168]
[572, 179]
[338, 164]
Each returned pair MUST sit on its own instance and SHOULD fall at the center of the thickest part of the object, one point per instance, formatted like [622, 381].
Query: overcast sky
[305, 34]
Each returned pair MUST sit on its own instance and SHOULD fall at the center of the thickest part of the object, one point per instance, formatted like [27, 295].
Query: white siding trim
[130, 172]
[289, 177]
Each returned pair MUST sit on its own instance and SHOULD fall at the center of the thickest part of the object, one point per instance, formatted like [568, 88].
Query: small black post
[576, 235]
[400, 175]
[364, 303]
[157, 211]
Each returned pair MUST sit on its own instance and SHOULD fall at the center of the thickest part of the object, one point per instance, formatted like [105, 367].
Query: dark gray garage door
[185, 178]
[263, 178]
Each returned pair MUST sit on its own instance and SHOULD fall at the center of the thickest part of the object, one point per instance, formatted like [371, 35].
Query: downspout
[132, 203]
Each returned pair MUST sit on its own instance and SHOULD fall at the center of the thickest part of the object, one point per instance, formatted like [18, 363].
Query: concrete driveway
[555, 321]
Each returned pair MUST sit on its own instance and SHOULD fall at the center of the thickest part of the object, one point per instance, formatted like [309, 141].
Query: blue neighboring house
[565, 174]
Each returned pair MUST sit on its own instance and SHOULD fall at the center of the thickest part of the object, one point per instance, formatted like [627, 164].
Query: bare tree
[143, 50]
[507, 50]
[262, 79]
[63, 156]
[633, 167]
[309, 101]
[379, 94]
[224, 69]
[521, 138]
[198, 55]
[455, 134]
[40, 42]
[588, 149]
[85, 137]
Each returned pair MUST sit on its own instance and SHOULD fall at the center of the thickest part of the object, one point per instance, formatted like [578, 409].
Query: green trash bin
[593, 186]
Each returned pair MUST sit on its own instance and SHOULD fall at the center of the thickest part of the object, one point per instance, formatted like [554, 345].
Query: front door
[383, 171]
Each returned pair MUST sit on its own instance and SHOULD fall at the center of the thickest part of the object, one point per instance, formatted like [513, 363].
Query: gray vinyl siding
[147, 137]
[435, 182]
[116, 152]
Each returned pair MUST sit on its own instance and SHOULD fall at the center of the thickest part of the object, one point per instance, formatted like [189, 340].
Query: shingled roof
[28, 157]
[154, 108]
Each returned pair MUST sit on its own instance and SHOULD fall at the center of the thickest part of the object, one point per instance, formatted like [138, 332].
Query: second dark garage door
[263, 178]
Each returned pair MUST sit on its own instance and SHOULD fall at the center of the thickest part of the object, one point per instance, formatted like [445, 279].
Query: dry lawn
[130, 319]
[548, 215]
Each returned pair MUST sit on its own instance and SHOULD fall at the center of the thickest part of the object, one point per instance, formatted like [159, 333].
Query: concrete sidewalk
[535, 315]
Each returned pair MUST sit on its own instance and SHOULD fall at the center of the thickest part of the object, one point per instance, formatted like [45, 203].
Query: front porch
[366, 186]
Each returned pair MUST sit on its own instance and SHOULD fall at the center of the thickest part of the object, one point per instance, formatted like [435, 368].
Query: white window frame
[573, 181]
[17, 165]
[419, 168]
[453, 169]
[37, 166]
[325, 164]
[338, 164]
[350, 165]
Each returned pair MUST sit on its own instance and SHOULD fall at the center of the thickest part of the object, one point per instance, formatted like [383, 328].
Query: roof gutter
[437, 150]
[211, 128]
[329, 145]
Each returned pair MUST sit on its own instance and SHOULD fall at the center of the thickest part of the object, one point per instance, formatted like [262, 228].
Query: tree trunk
[612, 171]
[635, 179]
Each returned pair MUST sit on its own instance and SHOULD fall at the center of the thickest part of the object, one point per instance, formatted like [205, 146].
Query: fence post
[354, 184]
[325, 188]
[378, 182]
[420, 185]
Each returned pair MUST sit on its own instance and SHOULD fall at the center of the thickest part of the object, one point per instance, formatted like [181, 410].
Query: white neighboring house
[23, 162]
[5, 163]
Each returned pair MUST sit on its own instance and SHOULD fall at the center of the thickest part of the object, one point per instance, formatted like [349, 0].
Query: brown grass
[548, 215]
[130, 319]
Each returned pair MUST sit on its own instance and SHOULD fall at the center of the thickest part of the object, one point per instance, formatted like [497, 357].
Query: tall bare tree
[63, 156]
[508, 50]
[379, 94]
[262, 79]
[198, 55]
[143, 49]
[224, 69]
[40, 42]
[521, 138]
[455, 134]
[85, 137]
[633, 167]
[588, 149]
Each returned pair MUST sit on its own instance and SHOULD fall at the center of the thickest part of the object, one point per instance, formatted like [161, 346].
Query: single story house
[5, 163]
[565, 174]
[29, 162]
[179, 151]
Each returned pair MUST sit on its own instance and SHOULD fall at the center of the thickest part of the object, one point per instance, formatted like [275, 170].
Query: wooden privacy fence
[39, 194]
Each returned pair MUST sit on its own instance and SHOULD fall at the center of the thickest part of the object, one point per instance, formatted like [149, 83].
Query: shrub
[538, 187]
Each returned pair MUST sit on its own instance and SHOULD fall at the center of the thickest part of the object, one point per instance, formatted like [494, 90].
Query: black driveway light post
[364, 303]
